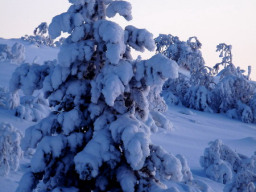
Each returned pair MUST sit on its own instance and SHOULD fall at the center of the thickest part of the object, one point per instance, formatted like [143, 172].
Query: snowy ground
[192, 131]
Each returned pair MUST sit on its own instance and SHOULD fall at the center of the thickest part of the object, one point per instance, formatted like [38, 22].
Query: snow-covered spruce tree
[173, 89]
[192, 89]
[226, 55]
[233, 93]
[10, 151]
[14, 54]
[199, 96]
[224, 165]
[252, 105]
[186, 53]
[5, 52]
[3, 97]
[18, 53]
[98, 139]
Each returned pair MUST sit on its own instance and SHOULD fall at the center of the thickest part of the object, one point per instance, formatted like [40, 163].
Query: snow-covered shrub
[186, 53]
[14, 54]
[5, 52]
[232, 113]
[13, 100]
[230, 76]
[230, 90]
[203, 76]
[174, 90]
[220, 162]
[29, 77]
[224, 165]
[234, 92]
[10, 151]
[226, 55]
[252, 105]
[198, 95]
[189, 89]
[243, 181]
[244, 112]
[3, 97]
[18, 53]
[98, 138]
[199, 98]
[32, 108]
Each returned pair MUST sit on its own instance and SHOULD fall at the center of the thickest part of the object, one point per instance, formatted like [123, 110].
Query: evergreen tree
[14, 54]
[187, 54]
[192, 88]
[10, 151]
[98, 139]
[222, 164]
[233, 92]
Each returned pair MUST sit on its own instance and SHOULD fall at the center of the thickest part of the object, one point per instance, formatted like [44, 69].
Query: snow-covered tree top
[86, 11]
[86, 22]
[41, 29]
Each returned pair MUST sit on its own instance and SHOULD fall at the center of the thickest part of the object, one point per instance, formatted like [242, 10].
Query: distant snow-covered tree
[203, 76]
[234, 91]
[174, 90]
[220, 162]
[244, 112]
[14, 54]
[199, 98]
[18, 53]
[223, 89]
[226, 55]
[3, 97]
[224, 165]
[191, 89]
[40, 37]
[186, 53]
[41, 29]
[252, 105]
[98, 137]
[199, 95]
[5, 52]
[10, 151]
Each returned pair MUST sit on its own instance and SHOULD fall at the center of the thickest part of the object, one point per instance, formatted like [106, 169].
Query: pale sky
[212, 21]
